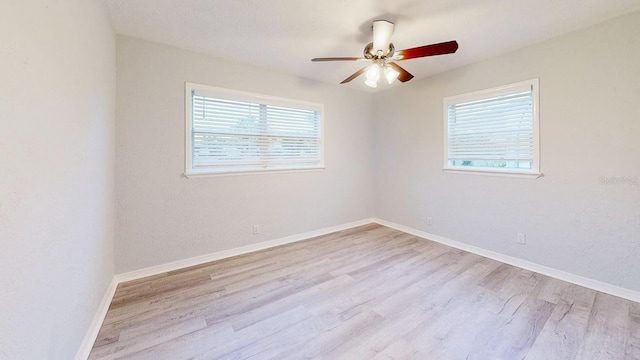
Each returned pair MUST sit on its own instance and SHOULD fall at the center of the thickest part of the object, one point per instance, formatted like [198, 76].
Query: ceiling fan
[382, 54]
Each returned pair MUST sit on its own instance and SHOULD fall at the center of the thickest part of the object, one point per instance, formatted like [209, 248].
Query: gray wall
[163, 216]
[57, 128]
[590, 126]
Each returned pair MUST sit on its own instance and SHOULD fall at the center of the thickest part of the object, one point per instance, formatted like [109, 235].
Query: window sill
[505, 173]
[192, 174]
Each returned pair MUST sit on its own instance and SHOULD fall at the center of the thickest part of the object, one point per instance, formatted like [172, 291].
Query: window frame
[534, 172]
[236, 95]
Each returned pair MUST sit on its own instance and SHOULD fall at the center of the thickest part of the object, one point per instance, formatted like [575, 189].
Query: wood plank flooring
[365, 293]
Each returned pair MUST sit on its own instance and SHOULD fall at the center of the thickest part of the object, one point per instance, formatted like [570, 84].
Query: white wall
[57, 128]
[590, 126]
[163, 216]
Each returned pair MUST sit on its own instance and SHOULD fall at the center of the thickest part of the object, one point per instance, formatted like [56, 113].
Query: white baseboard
[197, 260]
[528, 265]
[96, 323]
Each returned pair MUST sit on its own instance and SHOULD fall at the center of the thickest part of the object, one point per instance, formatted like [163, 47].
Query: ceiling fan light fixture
[373, 73]
[391, 74]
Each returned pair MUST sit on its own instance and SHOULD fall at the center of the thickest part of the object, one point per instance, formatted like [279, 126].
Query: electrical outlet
[521, 239]
[256, 229]
[429, 221]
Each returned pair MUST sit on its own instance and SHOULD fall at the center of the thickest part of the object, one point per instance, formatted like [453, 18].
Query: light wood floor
[365, 293]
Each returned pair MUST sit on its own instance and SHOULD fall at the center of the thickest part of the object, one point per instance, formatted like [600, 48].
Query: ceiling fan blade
[339, 59]
[404, 74]
[427, 50]
[382, 30]
[355, 75]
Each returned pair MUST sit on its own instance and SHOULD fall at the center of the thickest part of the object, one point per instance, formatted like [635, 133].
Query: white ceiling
[286, 34]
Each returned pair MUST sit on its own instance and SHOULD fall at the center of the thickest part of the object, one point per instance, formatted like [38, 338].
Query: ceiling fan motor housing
[369, 53]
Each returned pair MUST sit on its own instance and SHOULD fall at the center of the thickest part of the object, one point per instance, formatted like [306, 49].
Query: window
[493, 131]
[230, 131]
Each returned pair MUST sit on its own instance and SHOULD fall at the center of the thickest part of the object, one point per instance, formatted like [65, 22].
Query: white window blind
[236, 132]
[493, 130]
